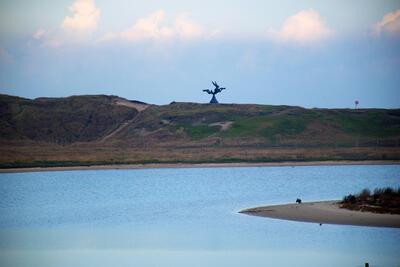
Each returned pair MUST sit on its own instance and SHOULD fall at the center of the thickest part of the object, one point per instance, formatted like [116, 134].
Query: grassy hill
[108, 129]
[61, 120]
[264, 124]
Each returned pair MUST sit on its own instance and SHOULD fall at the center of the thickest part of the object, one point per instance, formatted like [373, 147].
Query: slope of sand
[325, 212]
[136, 105]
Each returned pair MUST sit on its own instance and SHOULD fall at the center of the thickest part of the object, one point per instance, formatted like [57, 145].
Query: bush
[384, 200]
[378, 192]
[349, 199]
[364, 194]
[388, 191]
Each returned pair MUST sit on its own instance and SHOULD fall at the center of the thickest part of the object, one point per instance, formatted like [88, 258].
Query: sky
[322, 54]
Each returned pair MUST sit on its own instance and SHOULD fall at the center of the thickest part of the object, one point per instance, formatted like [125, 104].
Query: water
[186, 217]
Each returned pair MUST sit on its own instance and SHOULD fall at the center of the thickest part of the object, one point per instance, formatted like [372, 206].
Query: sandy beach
[325, 212]
[198, 165]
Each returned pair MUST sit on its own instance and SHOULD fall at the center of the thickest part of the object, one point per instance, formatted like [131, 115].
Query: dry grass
[46, 154]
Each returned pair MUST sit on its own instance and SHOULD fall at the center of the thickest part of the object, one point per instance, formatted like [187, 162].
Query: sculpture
[214, 92]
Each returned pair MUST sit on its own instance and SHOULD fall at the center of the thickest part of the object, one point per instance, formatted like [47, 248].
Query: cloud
[187, 29]
[305, 27]
[85, 17]
[73, 29]
[50, 38]
[84, 20]
[148, 28]
[154, 28]
[389, 24]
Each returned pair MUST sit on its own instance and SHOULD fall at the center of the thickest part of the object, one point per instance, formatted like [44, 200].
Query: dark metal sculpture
[214, 92]
[356, 103]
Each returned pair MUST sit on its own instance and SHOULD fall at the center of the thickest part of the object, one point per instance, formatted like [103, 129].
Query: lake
[186, 217]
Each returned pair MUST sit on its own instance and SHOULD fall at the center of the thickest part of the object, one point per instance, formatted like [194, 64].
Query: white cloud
[389, 24]
[186, 28]
[305, 27]
[73, 29]
[84, 18]
[52, 38]
[47, 37]
[155, 28]
[148, 28]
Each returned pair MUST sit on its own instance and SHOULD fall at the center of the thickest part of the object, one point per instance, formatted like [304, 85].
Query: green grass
[372, 124]
[200, 131]
[268, 126]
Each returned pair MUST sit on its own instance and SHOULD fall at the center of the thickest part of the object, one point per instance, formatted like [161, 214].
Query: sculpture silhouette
[214, 92]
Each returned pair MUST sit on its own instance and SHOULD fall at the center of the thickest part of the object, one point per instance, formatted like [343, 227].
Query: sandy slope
[324, 212]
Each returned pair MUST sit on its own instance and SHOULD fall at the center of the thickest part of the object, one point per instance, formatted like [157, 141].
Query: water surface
[186, 217]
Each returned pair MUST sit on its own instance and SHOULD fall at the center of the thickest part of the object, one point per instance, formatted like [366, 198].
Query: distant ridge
[109, 129]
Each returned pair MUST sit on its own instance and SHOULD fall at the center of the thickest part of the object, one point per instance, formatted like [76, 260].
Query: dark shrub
[388, 191]
[364, 194]
[378, 191]
[349, 199]
[384, 200]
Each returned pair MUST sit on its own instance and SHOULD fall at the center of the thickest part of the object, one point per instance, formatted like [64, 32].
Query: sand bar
[325, 212]
[200, 165]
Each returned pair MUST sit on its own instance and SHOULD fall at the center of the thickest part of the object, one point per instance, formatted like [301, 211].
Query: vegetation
[383, 200]
[60, 120]
[369, 123]
[200, 131]
[98, 129]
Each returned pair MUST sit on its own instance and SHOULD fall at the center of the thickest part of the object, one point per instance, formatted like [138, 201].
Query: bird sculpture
[216, 90]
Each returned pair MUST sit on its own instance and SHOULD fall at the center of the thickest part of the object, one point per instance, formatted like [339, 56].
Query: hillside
[61, 120]
[109, 129]
[262, 124]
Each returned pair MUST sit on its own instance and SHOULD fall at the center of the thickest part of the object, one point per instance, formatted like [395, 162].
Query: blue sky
[305, 53]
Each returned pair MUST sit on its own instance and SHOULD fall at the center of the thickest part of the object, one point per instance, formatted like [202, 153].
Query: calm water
[186, 217]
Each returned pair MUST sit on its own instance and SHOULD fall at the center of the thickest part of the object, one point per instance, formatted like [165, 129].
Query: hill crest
[218, 131]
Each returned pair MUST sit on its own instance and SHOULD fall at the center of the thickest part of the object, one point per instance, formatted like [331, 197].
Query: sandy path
[119, 129]
[121, 102]
[325, 212]
[136, 105]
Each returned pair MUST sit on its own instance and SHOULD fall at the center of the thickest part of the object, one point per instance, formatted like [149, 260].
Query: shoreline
[324, 212]
[200, 165]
